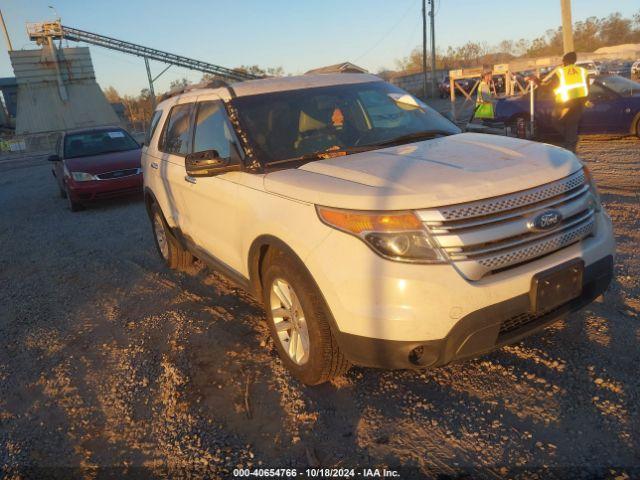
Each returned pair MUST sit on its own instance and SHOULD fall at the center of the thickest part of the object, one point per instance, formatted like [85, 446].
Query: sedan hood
[443, 171]
[107, 162]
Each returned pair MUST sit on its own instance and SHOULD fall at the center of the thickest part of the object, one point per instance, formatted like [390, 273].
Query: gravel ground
[110, 360]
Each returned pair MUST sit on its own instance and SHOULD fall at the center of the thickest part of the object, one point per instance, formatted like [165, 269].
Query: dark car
[466, 84]
[96, 163]
[613, 108]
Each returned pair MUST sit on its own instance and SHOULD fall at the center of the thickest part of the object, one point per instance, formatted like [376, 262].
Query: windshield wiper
[325, 154]
[412, 137]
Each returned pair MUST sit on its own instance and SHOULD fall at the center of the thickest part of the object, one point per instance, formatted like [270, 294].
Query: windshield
[301, 123]
[97, 142]
[622, 86]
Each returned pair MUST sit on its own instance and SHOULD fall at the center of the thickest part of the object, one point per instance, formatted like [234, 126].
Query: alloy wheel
[289, 320]
[161, 236]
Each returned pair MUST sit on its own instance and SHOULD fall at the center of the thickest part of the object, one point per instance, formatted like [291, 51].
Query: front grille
[495, 234]
[119, 174]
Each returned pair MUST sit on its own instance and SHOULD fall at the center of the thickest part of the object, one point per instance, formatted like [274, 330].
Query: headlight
[597, 206]
[83, 177]
[397, 236]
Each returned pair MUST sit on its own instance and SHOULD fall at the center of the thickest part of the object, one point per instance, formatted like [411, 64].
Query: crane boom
[40, 30]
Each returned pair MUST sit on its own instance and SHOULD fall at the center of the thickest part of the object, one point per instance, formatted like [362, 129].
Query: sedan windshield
[97, 142]
[622, 86]
[340, 119]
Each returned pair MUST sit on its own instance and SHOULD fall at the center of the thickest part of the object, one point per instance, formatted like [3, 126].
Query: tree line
[139, 108]
[588, 35]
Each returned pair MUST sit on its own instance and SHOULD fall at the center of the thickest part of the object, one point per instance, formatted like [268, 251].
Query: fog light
[422, 356]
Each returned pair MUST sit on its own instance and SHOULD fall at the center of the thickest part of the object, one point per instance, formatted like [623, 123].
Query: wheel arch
[149, 200]
[257, 254]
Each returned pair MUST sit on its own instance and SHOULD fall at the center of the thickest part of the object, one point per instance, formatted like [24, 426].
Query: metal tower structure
[43, 32]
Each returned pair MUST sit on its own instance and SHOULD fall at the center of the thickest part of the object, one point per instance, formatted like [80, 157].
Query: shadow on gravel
[109, 359]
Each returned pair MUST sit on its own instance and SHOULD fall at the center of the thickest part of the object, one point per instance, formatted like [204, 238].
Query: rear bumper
[476, 333]
[103, 189]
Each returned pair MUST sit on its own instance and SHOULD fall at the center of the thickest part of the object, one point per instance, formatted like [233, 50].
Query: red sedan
[97, 163]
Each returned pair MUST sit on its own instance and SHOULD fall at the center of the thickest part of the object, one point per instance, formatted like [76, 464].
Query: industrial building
[57, 90]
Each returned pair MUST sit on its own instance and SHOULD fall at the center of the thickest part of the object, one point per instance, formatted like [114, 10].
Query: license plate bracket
[556, 286]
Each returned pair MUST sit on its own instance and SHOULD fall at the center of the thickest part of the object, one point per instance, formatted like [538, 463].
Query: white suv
[371, 229]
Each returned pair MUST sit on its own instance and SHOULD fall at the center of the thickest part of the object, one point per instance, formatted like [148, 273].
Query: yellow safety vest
[572, 83]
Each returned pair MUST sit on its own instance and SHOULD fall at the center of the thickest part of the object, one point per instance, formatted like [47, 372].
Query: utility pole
[424, 49]
[434, 85]
[567, 26]
[152, 92]
[6, 33]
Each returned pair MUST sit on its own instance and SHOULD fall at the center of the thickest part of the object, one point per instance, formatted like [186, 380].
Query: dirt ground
[110, 360]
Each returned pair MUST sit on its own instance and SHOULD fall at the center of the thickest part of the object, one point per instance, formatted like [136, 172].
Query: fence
[37, 144]
[28, 145]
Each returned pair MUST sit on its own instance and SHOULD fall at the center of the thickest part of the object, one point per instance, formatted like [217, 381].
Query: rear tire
[298, 310]
[174, 256]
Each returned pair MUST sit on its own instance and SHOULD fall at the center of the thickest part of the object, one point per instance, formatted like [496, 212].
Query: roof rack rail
[210, 83]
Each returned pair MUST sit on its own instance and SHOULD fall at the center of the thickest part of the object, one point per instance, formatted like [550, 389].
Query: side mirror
[54, 158]
[208, 163]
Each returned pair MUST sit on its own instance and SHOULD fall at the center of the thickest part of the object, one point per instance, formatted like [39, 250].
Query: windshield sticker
[116, 134]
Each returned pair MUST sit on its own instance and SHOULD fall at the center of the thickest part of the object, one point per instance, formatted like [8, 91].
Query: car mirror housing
[54, 158]
[208, 163]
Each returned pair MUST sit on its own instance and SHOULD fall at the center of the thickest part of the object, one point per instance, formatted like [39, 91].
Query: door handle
[154, 165]
[189, 179]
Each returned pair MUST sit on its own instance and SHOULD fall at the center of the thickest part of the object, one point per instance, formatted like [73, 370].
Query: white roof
[281, 84]
[273, 84]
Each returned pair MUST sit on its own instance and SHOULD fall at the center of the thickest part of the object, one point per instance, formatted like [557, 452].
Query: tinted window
[297, 123]
[596, 92]
[152, 126]
[621, 85]
[97, 142]
[176, 137]
[212, 130]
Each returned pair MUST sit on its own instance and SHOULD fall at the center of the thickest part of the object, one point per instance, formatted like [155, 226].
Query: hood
[444, 171]
[106, 162]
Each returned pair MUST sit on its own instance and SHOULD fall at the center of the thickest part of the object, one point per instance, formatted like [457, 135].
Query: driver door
[212, 201]
[599, 115]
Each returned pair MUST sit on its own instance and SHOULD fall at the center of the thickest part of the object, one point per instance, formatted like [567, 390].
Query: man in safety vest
[571, 88]
[484, 98]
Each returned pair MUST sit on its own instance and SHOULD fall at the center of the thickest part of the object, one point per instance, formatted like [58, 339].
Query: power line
[386, 34]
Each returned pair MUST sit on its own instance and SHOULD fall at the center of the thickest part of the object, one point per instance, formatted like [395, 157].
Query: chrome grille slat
[505, 202]
[491, 235]
[501, 218]
[538, 249]
[504, 231]
[122, 173]
[475, 252]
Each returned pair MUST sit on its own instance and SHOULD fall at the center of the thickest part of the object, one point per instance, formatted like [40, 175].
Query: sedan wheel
[289, 320]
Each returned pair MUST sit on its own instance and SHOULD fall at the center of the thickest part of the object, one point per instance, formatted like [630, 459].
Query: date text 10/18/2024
[316, 473]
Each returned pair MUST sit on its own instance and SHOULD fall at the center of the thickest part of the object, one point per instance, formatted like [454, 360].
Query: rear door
[173, 146]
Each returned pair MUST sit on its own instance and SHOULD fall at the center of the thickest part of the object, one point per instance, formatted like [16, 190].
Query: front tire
[73, 205]
[174, 256]
[298, 319]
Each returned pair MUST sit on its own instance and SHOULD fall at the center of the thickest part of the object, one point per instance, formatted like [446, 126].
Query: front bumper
[475, 334]
[382, 310]
[103, 189]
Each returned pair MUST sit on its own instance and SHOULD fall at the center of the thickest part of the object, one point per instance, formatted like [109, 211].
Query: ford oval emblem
[545, 221]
